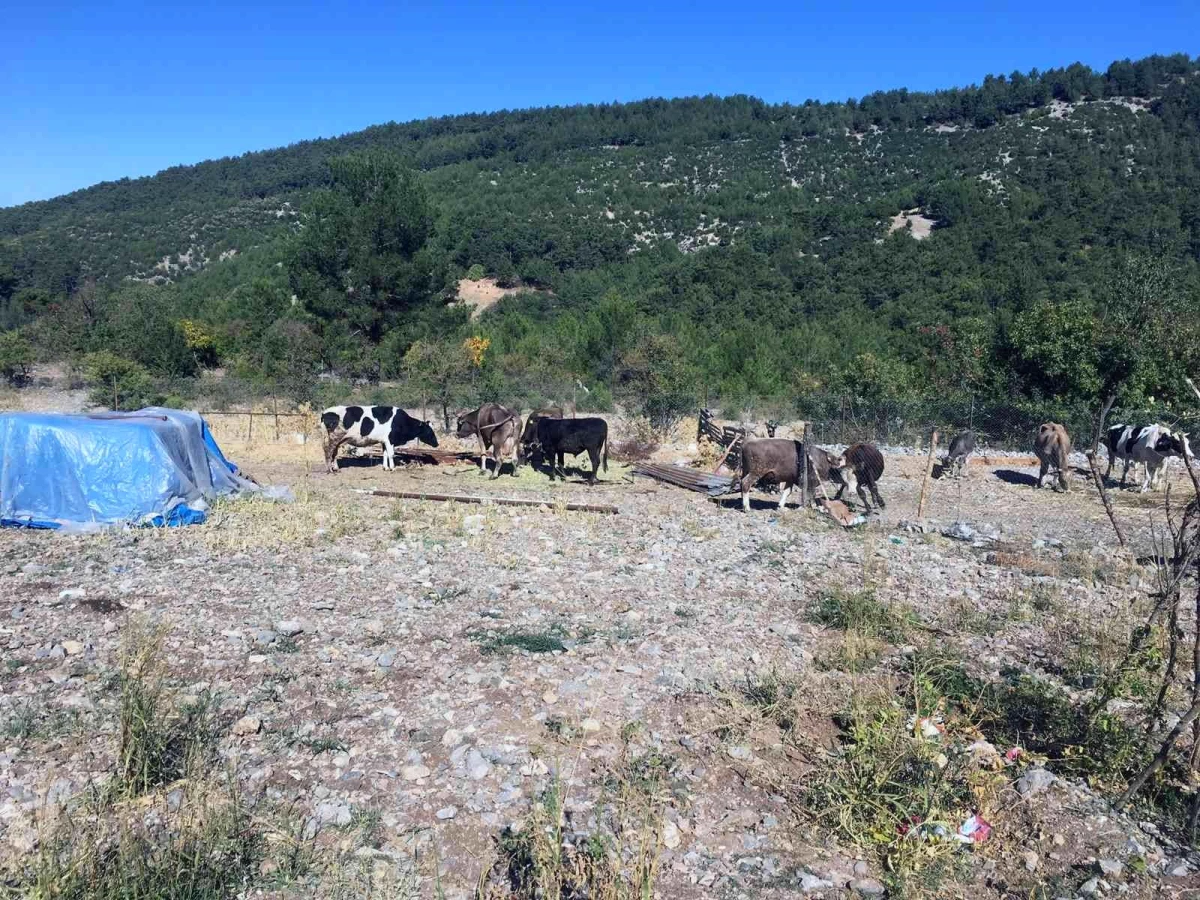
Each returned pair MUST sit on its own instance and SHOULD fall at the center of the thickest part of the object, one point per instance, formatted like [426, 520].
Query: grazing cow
[1150, 445]
[496, 428]
[557, 437]
[960, 451]
[864, 466]
[777, 460]
[529, 432]
[1052, 447]
[363, 425]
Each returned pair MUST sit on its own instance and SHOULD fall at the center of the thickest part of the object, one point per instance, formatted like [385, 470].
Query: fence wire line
[835, 419]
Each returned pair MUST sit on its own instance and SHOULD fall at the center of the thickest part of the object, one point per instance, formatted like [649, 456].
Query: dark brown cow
[778, 460]
[496, 427]
[864, 465]
[1052, 446]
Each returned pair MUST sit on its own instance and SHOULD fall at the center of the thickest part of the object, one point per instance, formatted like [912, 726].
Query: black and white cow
[1150, 445]
[363, 425]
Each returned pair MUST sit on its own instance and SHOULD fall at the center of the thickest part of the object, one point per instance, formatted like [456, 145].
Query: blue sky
[92, 93]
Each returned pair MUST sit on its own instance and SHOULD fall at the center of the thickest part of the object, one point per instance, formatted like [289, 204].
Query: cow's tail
[604, 458]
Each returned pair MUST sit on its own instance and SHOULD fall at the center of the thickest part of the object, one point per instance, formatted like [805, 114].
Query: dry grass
[250, 523]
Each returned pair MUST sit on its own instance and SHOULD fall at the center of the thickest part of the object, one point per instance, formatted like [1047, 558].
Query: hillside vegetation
[1034, 238]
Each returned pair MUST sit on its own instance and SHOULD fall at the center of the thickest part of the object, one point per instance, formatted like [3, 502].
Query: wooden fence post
[275, 404]
[805, 500]
[250, 434]
[928, 472]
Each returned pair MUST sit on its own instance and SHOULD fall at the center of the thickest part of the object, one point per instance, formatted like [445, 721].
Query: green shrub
[16, 357]
[118, 383]
[860, 612]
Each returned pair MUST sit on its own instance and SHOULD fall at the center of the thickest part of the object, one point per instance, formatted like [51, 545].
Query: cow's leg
[786, 489]
[482, 453]
[1125, 471]
[1108, 471]
[862, 495]
[1147, 477]
[593, 455]
[389, 455]
[875, 493]
[1042, 470]
[497, 459]
[747, 483]
[1062, 478]
[331, 448]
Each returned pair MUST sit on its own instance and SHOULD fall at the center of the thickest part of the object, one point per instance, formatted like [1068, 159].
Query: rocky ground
[404, 681]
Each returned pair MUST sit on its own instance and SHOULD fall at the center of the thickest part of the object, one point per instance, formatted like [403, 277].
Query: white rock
[671, 836]
[289, 627]
[414, 773]
[247, 725]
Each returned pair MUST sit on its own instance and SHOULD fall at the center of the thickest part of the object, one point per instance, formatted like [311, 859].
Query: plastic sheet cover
[155, 466]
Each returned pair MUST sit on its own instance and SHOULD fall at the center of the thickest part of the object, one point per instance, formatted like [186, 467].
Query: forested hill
[999, 237]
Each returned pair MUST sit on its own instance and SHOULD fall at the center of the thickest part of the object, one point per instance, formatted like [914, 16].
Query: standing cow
[1052, 447]
[557, 437]
[777, 460]
[864, 466]
[363, 425]
[496, 428]
[1150, 445]
[961, 448]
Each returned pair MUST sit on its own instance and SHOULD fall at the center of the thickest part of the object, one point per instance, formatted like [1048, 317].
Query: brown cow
[778, 460]
[864, 465]
[1052, 447]
[496, 428]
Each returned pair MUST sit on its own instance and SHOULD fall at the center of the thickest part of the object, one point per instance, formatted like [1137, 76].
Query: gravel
[390, 611]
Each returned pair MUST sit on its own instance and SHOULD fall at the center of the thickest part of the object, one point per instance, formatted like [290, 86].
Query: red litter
[975, 830]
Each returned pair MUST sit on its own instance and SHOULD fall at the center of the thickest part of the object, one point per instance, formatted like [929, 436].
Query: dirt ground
[363, 639]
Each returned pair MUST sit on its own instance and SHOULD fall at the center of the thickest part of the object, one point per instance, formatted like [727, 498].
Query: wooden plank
[498, 501]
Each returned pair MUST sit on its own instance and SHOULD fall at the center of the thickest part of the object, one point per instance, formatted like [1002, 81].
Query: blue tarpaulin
[153, 467]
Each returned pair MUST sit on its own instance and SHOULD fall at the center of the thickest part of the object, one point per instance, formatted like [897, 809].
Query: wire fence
[1001, 425]
[831, 419]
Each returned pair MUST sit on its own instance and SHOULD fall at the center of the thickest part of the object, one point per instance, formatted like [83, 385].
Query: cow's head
[425, 434]
[1171, 444]
[466, 427]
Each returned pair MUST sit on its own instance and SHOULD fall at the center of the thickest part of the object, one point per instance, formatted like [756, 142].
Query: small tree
[656, 378]
[1056, 348]
[440, 370]
[118, 383]
[287, 358]
[201, 341]
[16, 358]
